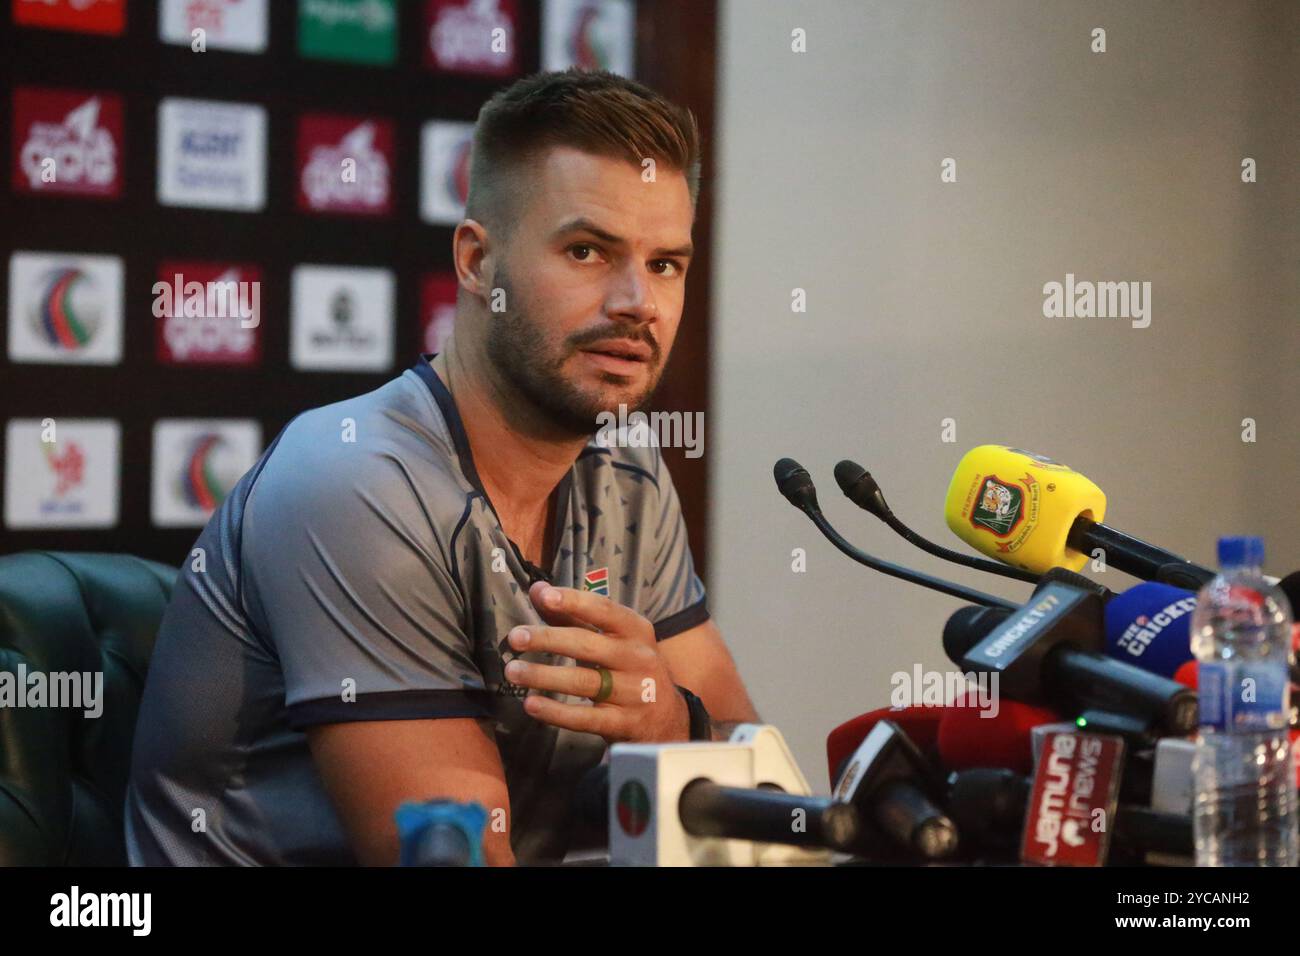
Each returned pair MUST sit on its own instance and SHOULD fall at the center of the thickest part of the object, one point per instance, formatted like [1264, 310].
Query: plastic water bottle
[1244, 812]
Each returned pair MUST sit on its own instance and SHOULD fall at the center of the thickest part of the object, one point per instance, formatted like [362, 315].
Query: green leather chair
[63, 775]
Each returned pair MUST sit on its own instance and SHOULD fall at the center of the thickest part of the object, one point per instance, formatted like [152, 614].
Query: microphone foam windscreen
[970, 738]
[1188, 675]
[1149, 626]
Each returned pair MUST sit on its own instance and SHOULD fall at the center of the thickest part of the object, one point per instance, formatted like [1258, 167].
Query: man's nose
[632, 297]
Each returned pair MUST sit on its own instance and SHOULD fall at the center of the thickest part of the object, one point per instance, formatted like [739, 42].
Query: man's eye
[581, 245]
[676, 267]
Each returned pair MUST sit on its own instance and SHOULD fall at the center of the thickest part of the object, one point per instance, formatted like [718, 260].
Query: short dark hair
[594, 111]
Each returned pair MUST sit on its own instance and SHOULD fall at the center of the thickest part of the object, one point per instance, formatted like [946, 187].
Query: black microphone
[988, 806]
[1136, 557]
[588, 817]
[766, 815]
[897, 794]
[794, 482]
[1061, 575]
[1051, 651]
[1290, 586]
[860, 488]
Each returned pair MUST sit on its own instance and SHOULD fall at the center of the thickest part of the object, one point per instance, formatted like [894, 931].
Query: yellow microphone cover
[1018, 507]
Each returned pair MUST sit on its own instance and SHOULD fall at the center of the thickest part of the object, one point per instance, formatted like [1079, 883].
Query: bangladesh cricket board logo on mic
[999, 506]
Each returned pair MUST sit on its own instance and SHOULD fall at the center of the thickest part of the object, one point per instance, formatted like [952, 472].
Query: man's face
[593, 282]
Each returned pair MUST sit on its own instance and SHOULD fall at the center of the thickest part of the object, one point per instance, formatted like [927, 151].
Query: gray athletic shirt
[378, 564]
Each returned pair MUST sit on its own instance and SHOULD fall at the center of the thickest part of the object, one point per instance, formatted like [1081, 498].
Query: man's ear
[470, 247]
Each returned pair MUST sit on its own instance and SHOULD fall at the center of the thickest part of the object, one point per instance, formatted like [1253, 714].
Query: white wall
[925, 299]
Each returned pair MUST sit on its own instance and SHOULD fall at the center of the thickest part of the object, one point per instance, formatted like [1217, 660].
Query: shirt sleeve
[675, 600]
[346, 575]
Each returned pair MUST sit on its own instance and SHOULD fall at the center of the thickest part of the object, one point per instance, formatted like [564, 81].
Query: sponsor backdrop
[222, 212]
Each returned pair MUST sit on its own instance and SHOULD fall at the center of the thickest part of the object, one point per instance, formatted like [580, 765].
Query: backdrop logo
[211, 154]
[196, 463]
[226, 24]
[69, 309]
[359, 31]
[444, 171]
[208, 473]
[67, 142]
[471, 36]
[341, 318]
[85, 16]
[65, 309]
[68, 465]
[208, 313]
[345, 165]
[437, 310]
[61, 473]
[588, 34]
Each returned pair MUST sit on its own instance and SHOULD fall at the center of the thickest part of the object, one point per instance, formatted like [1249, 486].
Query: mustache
[591, 337]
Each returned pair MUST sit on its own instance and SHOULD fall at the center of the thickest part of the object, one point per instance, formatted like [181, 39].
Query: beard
[531, 363]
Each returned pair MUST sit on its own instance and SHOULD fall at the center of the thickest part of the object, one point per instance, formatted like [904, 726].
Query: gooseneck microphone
[860, 488]
[794, 482]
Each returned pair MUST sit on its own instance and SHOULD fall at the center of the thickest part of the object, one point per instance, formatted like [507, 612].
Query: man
[446, 588]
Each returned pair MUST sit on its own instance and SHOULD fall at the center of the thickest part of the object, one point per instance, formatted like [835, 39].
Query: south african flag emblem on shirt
[597, 581]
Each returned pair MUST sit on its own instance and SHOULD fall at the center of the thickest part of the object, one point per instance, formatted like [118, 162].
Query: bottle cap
[1243, 551]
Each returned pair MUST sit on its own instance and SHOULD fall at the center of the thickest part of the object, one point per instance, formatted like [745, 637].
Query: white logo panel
[444, 171]
[341, 319]
[65, 308]
[61, 473]
[196, 464]
[211, 154]
[226, 24]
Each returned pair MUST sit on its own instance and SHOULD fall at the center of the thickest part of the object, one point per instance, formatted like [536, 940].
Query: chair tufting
[63, 774]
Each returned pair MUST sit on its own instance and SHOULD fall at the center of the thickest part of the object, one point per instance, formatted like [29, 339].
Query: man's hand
[645, 705]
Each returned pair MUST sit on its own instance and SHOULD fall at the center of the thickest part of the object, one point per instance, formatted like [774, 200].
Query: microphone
[968, 740]
[1013, 740]
[794, 482]
[919, 722]
[1153, 624]
[1048, 653]
[766, 815]
[440, 833]
[1149, 625]
[892, 787]
[1290, 586]
[588, 818]
[1061, 575]
[1033, 513]
[860, 488]
[989, 807]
